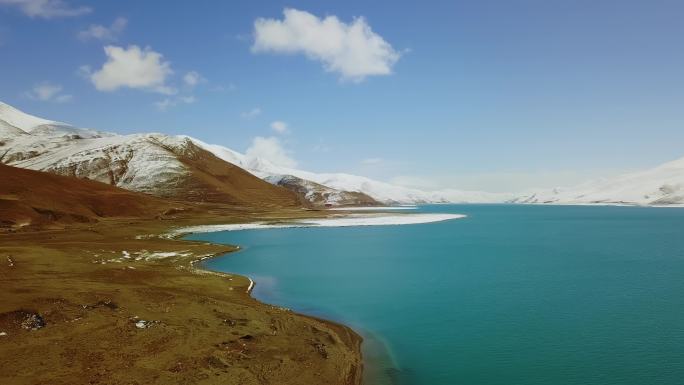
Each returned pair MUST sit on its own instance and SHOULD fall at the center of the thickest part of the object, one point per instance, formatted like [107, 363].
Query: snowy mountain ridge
[381, 191]
[150, 162]
[159, 163]
[21, 120]
[661, 185]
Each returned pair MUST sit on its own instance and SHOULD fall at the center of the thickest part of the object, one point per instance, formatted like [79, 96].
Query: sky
[505, 95]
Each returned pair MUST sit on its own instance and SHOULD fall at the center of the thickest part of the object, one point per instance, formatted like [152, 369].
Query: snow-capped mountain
[319, 194]
[311, 191]
[163, 165]
[662, 185]
[8, 131]
[157, 164]
[381, 191]
[23, 121]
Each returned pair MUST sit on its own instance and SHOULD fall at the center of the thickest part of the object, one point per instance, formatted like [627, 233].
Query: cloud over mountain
[279, 127]
[271, 149]
[48, 92]
[133, 67]
[351, 49]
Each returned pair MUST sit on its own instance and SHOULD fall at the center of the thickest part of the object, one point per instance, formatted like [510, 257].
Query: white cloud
[167, 103]
[45, 91]
[251, 114]
[353, 50]
[279, 127]
[271, 149]
[193, 78]
[371, 161]
[101, 32]
[46, 9]
[133, 67]
[48, 92]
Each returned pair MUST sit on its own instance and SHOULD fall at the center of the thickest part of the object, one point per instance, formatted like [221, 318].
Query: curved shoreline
[134, 289]
[348, 220]
[346, 333]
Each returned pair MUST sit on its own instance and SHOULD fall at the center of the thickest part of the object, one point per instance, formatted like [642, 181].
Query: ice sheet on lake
[346, 221]
[372, 208]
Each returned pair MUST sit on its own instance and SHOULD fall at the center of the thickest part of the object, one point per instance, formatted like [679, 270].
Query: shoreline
[136, 288]
[355, 336]
[349, 220]
[341, 329]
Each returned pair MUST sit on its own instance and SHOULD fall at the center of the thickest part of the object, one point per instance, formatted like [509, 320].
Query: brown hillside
[38, 199]
[214, 180]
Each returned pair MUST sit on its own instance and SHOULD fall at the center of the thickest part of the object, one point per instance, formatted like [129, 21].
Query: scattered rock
[33, 321]
[320, 348]
[108, 303]
[143, 324]
[177, 367]
[229, 322]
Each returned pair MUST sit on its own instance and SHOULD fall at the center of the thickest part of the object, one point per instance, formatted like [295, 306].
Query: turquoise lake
[512, 294]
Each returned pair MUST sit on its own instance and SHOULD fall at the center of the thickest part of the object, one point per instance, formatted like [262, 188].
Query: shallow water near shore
[512, 294]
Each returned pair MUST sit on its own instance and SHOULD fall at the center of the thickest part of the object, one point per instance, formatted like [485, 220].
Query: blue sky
[493, 95]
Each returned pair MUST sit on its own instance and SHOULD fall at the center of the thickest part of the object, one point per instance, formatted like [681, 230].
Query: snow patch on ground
[142, 255]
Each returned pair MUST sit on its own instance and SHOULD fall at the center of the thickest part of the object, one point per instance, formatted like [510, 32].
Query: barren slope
[37, 199]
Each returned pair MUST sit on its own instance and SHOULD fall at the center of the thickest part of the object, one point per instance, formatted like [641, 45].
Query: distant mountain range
[182, 166]
[662, 185]
[186, 168]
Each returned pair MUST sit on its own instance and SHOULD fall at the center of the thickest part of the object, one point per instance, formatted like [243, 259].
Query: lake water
[512, 294]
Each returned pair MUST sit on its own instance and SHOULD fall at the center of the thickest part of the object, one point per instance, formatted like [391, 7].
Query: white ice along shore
[346, 221]
[372, 208]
